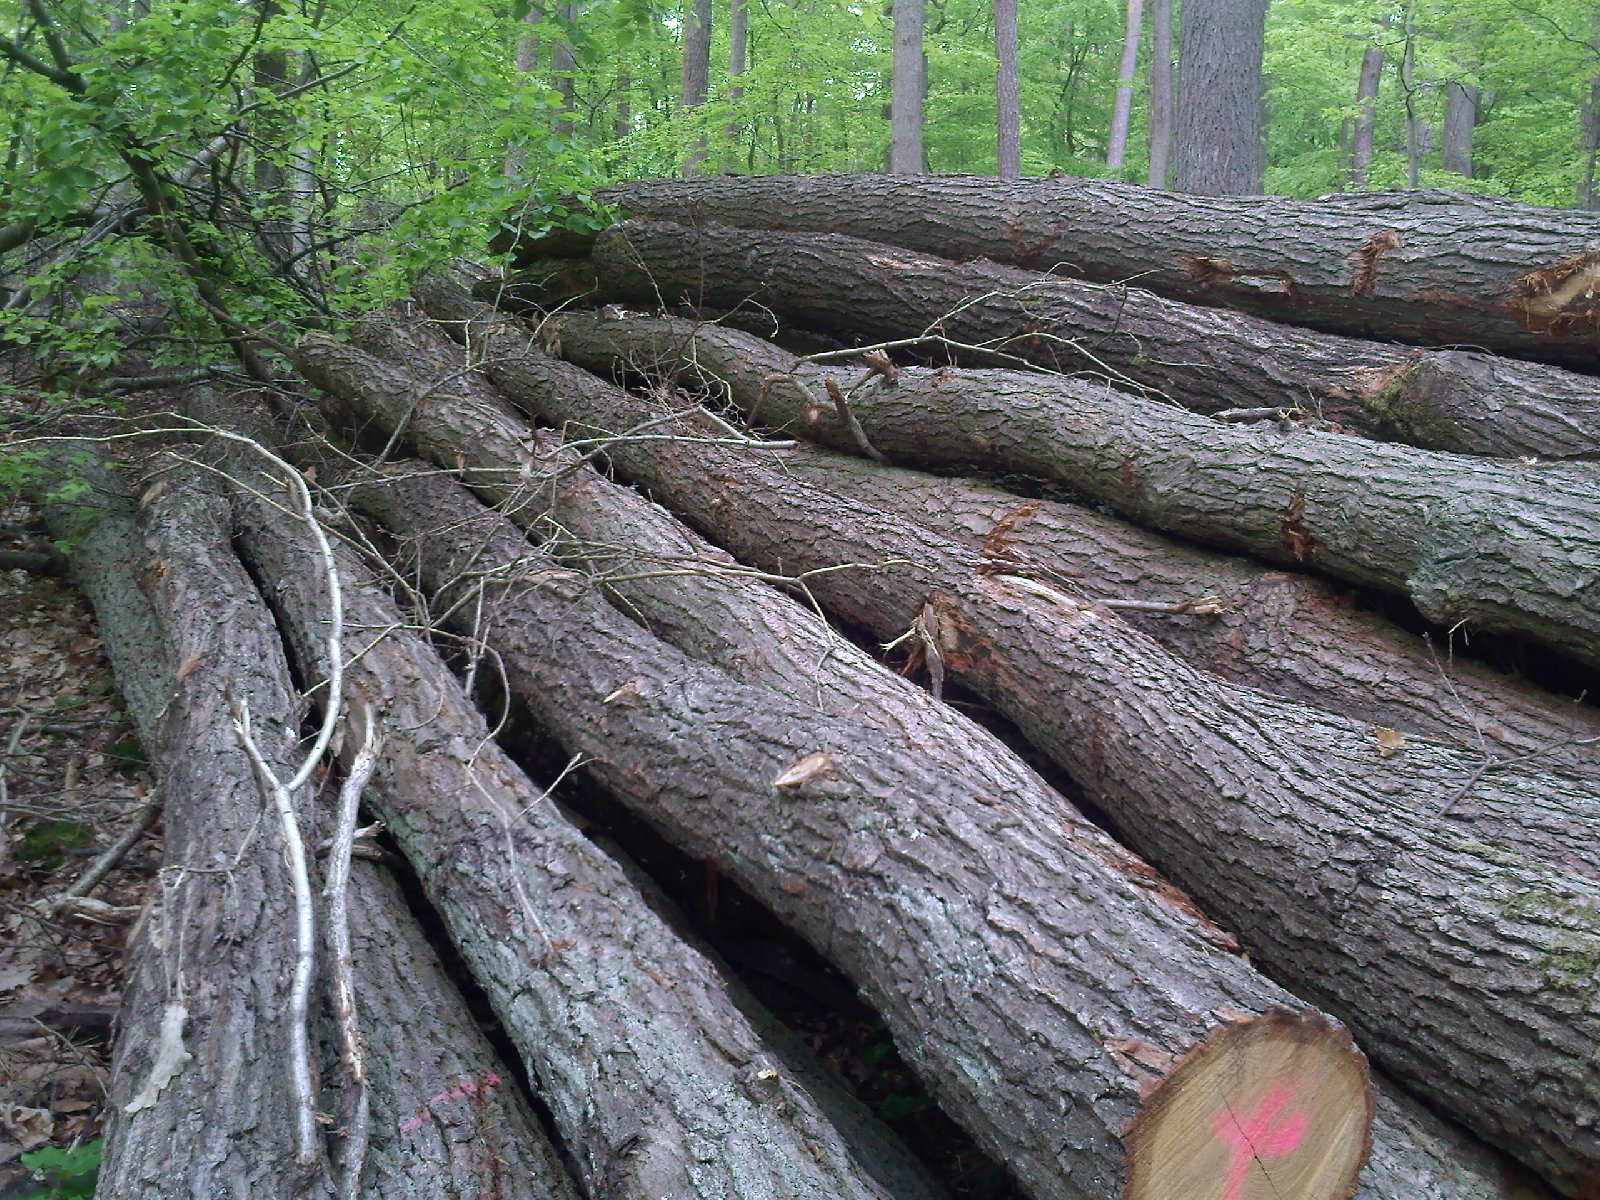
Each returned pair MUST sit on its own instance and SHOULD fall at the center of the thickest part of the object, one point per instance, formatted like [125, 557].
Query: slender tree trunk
[1220, 130]
[696, 72]
[527, 66]
[738, 53]
[1366, 115]
[1122, 109]
[1162, 116]
[623, 125]
[1008, 111]
[908, 87]
[564, 64]
[1460, 119]
[1588, 194]
[1416, 133]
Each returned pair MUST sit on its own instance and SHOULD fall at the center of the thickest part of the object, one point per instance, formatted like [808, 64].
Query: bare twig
[335, 892]
[842, 407]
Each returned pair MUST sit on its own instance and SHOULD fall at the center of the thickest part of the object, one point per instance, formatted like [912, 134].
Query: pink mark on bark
[1261, 1136]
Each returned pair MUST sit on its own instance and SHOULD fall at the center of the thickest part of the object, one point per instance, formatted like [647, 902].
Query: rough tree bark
[1460, 118]
[397, 973]
[1434, 268]
[1404, 895]
[852, 837]
[1008, 106]
[656, 1090]
[1220, 132]
[1366, 115]
[1122, 108]
[1503, 546]
[1206, 359]
[1162, 117]
[908, 86]
[1290, 635]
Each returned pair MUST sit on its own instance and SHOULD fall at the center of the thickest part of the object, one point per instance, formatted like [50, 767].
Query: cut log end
[1271, 1108]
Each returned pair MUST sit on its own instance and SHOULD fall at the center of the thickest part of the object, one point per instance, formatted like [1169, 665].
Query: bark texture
[199, 1084]
[852, 837]
[1434, 268]
[696, 70]
[1420, 893]
[1460, 119]
[1503, 546]
[1205, 359]
[1221, 147]
[657, 1091]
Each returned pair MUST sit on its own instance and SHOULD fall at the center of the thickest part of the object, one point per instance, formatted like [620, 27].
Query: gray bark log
[706, 784]
[1433, 268]
[1220, 132]
[1397, 888]
[1008, 107]
[1502, 546]
[907, 89]
[1122, 107]
[658, 1089]
[397, 974]
[1203, 358]
[1288, 634]
[1366, 115]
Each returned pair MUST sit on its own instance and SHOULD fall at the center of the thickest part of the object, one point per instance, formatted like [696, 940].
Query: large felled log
[397, 974]
[1289, 634]
[1499, 546]
[850, 835]
[654, 1073]
[1413, 1154]
[1408, 888]
[1206, 359]
[1426, 267]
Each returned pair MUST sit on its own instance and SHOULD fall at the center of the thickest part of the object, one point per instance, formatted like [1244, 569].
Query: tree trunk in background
[696, 72]
[270, 135]
[1415, 130]
[1460, 119]
[527, 64]
[1220, 145]
[908, 88]
[623, 125]
[738, 52]
[1161, 112]
[1122, 110]
[1008, 108]
[1588, 195]
[1366, 115]
[564, 64]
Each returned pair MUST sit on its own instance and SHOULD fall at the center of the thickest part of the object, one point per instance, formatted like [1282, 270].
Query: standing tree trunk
[908, 87]
[1008, 106]
[696, 72]
[1416, 131]
[527, 62]
[564, 62]
[1366, 115]
[1460, 118]
[1122, 110]
[1161, 114]
[738, 47]
[1220, 150]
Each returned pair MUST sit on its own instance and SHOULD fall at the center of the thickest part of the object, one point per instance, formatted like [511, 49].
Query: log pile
[1257, 878]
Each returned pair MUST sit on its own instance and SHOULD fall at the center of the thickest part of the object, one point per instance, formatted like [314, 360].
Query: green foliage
[68, 1174]
[46, 843]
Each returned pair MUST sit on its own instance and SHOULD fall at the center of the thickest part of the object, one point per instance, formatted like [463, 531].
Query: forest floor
[73, 780]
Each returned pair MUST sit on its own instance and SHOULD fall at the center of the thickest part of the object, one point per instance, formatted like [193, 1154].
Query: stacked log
[1206, 359]
[1353, 865]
